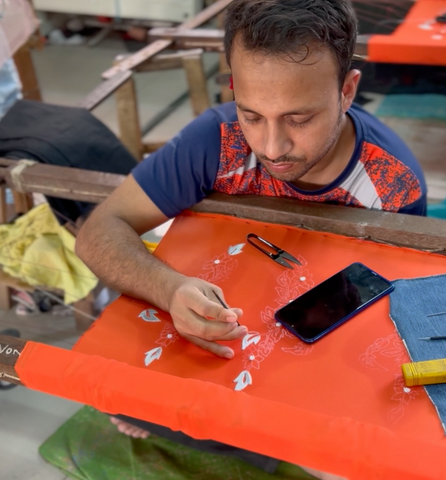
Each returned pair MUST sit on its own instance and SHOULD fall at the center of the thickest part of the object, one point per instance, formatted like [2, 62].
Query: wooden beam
[361, 49]
[394, 229]
[420, 233]
[104, 90]
[168, 61]
[207, 39]
[156, 47]
[10, 350]
[154, 64]
[63, 182]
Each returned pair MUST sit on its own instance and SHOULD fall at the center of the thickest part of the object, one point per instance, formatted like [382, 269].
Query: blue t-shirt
[211, 154]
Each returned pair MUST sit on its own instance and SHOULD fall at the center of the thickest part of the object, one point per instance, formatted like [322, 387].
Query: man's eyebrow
[292, 112]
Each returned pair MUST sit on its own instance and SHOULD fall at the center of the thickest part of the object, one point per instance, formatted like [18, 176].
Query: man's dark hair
[290, 27]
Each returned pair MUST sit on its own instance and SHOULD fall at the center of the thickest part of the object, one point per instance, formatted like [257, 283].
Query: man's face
[290, 113]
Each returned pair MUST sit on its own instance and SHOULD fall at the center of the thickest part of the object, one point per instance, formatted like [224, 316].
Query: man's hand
[199, 318]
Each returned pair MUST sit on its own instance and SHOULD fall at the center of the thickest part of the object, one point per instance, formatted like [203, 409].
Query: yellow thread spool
[424, 373]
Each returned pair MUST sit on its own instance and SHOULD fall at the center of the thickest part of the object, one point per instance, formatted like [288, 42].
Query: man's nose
[276, 142]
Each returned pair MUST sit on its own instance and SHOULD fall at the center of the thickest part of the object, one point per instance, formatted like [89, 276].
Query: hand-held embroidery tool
[222, 303]
[439, 337]
[436, 314]
[280, 256]
[424, 373]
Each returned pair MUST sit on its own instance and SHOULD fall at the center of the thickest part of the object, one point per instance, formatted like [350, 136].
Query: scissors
[280, 256]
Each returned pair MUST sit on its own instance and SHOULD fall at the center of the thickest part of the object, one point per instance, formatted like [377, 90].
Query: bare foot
[129, 429]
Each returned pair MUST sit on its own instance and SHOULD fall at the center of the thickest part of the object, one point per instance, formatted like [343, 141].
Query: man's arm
[109, 243]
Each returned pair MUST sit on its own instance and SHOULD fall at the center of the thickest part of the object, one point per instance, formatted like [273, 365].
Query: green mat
[88, 447]
[422, 106]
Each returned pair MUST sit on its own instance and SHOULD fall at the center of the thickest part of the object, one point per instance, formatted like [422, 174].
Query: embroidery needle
[440, 337]
[222, 303]
[436, 314]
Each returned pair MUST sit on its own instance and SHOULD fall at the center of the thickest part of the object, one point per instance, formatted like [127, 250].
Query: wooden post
[226, 94]
[83, 322]
[196, 78]
[10, 350]
[23, 202]
[128, 118]
[25, 67]
[5, 294]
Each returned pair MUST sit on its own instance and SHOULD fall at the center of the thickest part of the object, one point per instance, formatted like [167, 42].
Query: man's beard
[304, 164]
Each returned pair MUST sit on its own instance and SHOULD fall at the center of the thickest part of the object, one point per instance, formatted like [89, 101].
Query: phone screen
[332, 302]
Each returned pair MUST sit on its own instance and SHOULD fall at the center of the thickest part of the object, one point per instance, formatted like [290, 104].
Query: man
[292, 132]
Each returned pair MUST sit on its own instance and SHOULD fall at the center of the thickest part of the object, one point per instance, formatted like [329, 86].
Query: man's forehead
[265, 83]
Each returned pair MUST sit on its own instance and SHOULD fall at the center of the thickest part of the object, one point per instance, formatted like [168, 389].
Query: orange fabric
[418, 40]
[338, 405]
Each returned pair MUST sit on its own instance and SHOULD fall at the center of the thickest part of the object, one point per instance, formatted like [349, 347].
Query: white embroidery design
[168, 335]
[219, 268]
[388, 354]
[152, 355]
[290, 284]
[242, 381]
[149, 315]
[236, 249]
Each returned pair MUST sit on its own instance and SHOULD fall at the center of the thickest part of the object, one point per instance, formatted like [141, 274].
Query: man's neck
[334, 162]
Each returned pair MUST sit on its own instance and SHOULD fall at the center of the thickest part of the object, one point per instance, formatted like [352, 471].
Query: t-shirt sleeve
[183, 171]
[419, 207]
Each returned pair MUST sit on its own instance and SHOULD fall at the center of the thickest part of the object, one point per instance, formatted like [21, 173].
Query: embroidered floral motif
[219, 268]
[382, 349]
[387, 354]
[168, 335]
[290, 284]
[403, 396]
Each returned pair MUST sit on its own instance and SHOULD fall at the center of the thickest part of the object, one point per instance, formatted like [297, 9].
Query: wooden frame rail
[61, 182]
[395, 229]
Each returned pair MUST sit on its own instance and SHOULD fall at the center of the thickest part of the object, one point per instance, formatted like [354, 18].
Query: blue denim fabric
[410, 303]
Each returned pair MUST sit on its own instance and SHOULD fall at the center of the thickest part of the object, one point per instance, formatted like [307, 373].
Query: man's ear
[349, 88]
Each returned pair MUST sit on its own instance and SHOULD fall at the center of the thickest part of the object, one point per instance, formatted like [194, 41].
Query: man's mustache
[283, 159]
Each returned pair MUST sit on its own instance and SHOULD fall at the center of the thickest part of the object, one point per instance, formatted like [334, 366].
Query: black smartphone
[333, 302]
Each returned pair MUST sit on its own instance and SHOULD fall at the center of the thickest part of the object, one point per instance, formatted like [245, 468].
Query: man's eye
[251, 121]
[292, 123]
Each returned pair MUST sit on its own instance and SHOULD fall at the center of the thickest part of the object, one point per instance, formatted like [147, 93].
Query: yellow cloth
[39, 251]
[151, 247]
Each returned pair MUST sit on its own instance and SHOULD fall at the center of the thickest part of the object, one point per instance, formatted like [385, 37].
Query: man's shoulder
[374, 132]
[387, 161]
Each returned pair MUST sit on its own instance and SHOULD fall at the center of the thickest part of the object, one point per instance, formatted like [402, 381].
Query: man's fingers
[224, 314]
[238, 332]
[215, 348]
[204, 305]
[208, 330]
